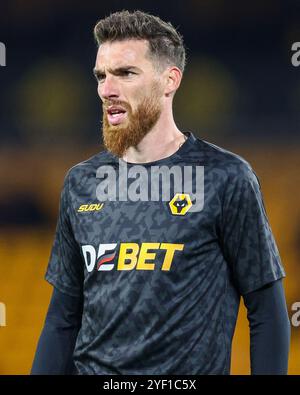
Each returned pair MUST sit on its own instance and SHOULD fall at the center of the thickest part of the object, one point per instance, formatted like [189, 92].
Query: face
[131, 90]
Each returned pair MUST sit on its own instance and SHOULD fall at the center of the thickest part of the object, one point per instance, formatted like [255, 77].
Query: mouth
[116, 115]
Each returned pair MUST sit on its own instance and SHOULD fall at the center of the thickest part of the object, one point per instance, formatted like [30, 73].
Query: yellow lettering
[144, 255]
[90, 207]
[171, 248]
[83, 207]
[128, 251]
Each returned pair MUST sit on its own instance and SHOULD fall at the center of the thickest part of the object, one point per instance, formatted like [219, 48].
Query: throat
[154, 150]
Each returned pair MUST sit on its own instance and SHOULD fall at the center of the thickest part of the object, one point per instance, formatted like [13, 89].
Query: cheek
[133, 97]
[141, 93]
[99, 91]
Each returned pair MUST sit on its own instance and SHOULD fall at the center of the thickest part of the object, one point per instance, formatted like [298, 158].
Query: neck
[163, 140]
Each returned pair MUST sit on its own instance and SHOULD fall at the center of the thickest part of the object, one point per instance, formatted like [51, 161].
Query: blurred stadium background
[240, 91]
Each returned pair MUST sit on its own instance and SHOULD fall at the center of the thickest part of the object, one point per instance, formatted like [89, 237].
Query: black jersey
[161, 282]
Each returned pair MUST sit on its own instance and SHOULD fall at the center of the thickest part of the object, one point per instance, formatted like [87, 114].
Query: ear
[173, 78]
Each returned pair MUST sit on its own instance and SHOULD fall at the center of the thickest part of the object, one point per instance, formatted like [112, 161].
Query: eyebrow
[117, 71]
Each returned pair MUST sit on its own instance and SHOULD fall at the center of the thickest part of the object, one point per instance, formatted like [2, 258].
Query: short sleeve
[247, 240]
[65, 270]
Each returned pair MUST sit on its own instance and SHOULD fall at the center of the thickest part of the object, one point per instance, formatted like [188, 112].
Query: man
[152, 286]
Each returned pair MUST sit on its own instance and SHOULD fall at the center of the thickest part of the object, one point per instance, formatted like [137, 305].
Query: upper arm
[64, 311]
[247, 240]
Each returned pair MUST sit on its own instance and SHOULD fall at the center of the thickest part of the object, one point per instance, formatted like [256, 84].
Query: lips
[116, 114]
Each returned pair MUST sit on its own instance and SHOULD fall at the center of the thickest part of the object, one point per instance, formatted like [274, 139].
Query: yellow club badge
[180, 204]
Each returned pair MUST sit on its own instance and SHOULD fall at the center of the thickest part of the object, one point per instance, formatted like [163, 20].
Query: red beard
[117, 139]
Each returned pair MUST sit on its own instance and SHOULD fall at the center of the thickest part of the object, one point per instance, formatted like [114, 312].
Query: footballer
[153, 286]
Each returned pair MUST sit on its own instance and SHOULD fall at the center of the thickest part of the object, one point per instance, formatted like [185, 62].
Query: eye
[127, 73]
[100, 77]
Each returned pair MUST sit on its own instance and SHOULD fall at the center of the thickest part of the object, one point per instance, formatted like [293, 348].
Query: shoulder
[88, 167]
[223, 163]
[80, 178]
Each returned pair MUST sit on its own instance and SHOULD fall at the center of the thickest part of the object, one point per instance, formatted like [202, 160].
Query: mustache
[108, 103]
[117, 139]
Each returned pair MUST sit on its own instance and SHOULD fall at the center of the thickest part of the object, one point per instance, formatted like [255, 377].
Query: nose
[108, 88]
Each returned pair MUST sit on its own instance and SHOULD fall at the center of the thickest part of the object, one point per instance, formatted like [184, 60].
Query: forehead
[117, 53]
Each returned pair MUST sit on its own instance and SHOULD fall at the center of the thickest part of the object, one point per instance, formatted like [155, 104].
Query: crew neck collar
[171, 158]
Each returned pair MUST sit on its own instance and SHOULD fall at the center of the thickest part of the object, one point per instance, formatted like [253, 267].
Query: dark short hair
[165, 43]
